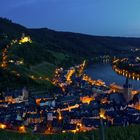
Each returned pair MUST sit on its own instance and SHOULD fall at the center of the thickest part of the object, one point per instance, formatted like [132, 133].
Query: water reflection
[130, 75]
[107, 74]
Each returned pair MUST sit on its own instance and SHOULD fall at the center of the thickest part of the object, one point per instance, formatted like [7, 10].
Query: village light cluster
[78, 70]
[77, 105]
[5, 56]
[74, 109]
[125, 72]
[6, 61]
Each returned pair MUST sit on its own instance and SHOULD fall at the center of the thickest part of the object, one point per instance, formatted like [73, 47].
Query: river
[108, 75]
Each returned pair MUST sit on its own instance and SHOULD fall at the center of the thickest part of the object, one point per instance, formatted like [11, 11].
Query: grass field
[41, 74]
[43, 69]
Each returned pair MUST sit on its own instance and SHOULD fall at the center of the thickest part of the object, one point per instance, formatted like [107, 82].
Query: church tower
[25, 93]
[127, 93]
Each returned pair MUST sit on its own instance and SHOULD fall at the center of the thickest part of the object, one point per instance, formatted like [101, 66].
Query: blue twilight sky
[96, 17]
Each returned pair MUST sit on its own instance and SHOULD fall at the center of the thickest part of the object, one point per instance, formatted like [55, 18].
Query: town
[69, 70]
[77, 104]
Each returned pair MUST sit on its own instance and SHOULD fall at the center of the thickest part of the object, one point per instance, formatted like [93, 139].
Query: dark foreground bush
[114, 133]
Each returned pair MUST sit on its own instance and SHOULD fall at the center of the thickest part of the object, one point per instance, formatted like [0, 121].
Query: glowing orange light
[22, 129]
[86, 99]
[38, 101]
[102, 114]
[2, 126]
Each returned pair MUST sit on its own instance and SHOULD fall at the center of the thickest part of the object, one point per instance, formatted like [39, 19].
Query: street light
[102, 116]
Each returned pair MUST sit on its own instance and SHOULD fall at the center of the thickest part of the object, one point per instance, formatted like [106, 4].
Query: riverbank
[106, 73]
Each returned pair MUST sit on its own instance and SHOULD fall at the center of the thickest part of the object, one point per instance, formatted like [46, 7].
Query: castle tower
[23, 35]
[127, 93]
[25, 93]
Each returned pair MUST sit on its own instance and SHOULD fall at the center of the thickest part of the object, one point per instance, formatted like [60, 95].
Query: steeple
[127, 85]
[127, 90]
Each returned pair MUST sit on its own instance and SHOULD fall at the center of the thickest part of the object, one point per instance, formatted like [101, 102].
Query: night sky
[96, 17]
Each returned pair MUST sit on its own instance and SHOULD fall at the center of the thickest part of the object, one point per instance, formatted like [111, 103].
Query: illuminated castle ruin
[25, 39]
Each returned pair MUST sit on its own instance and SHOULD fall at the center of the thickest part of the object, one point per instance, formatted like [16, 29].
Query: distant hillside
[11, 29]
[50, 49]
[66, 41]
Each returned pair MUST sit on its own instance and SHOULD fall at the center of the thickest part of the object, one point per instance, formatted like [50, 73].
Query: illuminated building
[22, 129]
[69, 74]
[2, 126]
[25, 39]
[59, 114]
[5, 58]
[86, 99]
[102, 114]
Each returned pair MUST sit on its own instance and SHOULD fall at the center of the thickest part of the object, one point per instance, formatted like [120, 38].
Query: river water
[108, 75]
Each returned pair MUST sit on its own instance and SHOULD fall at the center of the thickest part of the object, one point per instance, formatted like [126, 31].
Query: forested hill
[70, 43]
[50, 49]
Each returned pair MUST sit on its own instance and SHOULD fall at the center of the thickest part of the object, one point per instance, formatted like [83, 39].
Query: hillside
[50, 49]
[114, 133]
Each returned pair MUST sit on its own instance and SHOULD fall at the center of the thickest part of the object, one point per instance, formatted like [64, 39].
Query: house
[34, 118]
[3, 104]
[16, 96]
[49, 102]
[120, 121]
[89, 122]
[67, 99]
[70, 128]
[43, 99]
[108, 107]
[117, 98]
